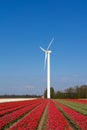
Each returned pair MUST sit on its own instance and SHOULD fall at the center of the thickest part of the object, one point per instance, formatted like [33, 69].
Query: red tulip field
[44, 114]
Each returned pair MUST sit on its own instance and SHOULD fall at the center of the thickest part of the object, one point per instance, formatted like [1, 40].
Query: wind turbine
[47, 59]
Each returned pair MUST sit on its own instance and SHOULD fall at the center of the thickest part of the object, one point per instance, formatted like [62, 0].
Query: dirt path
[43, 121]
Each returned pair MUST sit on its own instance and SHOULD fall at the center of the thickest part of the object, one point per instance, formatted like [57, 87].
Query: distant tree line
[71, 92]
[20, 96]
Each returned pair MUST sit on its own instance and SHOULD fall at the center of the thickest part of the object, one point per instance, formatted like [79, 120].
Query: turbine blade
[50, 44]
[42, 49]
[45, 59]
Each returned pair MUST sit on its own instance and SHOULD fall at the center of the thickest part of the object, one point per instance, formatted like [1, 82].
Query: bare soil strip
[43, 121]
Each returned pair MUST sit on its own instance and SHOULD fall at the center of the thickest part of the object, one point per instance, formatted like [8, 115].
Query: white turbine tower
[47, 58]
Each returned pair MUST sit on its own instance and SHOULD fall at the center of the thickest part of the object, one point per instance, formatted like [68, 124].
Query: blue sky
[25, 25]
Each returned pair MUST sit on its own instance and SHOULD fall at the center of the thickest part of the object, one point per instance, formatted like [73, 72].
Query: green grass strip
[81, 108]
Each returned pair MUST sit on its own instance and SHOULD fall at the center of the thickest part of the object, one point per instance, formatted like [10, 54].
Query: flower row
[81, 108]
[30, 122]
[15, 107]
[9, 105]
[79, 119]
[11, 117]
[77, 101]
[56, 121]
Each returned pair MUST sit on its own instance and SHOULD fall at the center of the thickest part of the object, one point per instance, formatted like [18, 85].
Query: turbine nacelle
[49, 51]
[45, 51]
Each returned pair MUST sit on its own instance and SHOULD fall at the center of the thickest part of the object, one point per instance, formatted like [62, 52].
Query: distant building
[42, 97]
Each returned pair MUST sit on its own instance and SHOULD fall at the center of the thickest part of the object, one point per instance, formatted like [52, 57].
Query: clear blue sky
[25, 25]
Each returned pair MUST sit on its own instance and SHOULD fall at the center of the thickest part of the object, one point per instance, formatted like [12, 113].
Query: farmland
[44, 114]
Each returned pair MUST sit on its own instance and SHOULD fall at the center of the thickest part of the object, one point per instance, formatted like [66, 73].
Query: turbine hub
[48, 51]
